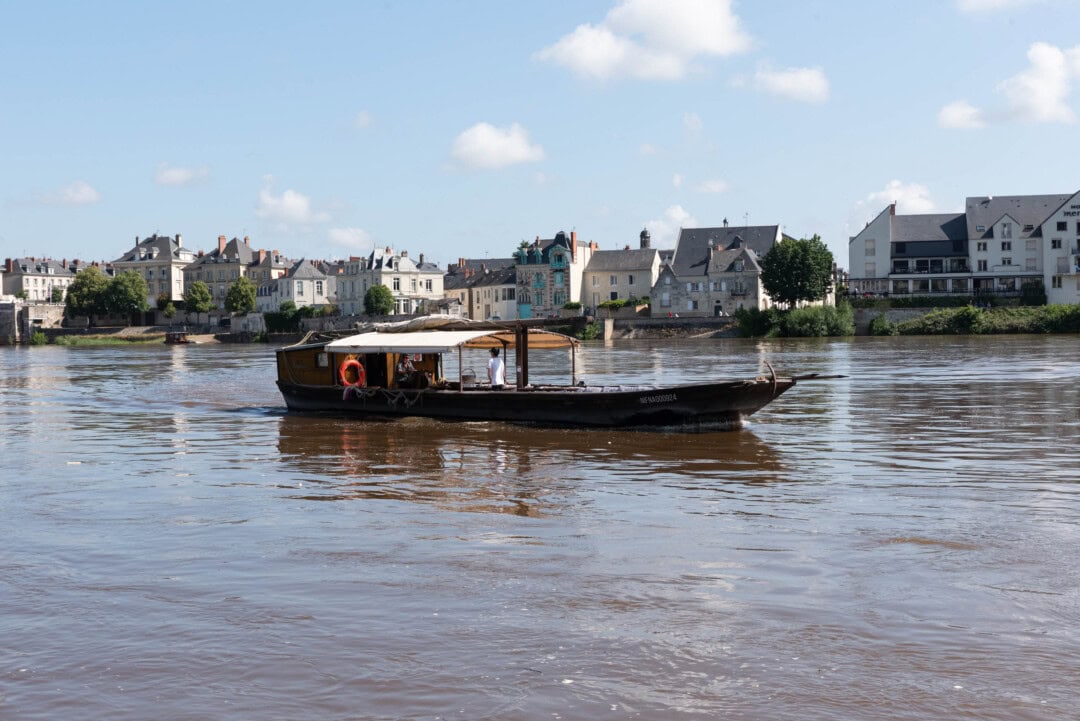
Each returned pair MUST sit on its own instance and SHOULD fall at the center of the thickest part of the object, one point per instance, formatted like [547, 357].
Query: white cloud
[1040, 92]
[961, 114]
[363, 120]
[910, 198]
[78, 193]
[806, 85]
[978, 6]
[665, 229]
[693, 123]
[485, 146]
[352, 238]
[712, 186]
[170, 175]
[289, 211]
[650, 39]
[676, 180]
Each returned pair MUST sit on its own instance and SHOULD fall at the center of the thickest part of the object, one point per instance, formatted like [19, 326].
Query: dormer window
[980, 228]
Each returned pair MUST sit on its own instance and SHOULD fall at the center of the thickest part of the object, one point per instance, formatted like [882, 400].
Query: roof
[1024, 209]
[692, 248]
[944, 226]
[305, 269]
[603, 261]
[443, 341]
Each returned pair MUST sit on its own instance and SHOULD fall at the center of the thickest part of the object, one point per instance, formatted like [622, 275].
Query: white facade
[413, 284]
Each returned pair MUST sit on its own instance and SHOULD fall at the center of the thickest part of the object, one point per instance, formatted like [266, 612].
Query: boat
[360, 375]
[176, 337]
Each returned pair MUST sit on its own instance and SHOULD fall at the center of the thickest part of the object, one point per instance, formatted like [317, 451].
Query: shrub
[881, 325]
[572, 305]
[38, 338]
[592, 331]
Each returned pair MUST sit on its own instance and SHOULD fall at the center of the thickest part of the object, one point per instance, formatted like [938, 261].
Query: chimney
[594, 246]
[725, 222]
[9, 265]
[63, 263]
[573, 243]
[247, 240]
[388, 250]
[421, 259]
[221, 243]
[483, 268]
[262, 256]
[627, 247]
[179, 241]
[404, 254]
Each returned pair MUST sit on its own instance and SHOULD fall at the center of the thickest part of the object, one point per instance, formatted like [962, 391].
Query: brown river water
[901, 543]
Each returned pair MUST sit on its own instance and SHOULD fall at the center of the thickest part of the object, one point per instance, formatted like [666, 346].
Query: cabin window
[322, 361]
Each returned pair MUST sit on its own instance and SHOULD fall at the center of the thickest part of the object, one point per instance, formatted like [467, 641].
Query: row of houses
[711, 271]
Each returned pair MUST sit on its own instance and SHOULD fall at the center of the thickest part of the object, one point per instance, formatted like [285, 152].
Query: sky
[459, 129]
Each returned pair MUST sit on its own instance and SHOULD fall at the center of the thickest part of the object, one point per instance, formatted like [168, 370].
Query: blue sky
[461, 128]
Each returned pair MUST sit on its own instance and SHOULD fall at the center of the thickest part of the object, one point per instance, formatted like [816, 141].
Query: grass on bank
[107, 340]
[970, 320]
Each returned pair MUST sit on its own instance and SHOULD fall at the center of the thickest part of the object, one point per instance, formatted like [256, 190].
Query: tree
[198, 298]
[797, 270]
[57, 294]
[86, 294]
[163, 300]
[378, 300]
[240, 297]
[126, 293]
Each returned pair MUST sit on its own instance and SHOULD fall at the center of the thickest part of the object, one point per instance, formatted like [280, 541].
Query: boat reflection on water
[504, 468]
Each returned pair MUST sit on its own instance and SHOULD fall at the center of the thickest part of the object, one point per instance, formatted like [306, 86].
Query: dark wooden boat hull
[708, 405]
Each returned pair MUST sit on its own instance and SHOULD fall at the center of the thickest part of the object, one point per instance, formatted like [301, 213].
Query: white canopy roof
[442, 341]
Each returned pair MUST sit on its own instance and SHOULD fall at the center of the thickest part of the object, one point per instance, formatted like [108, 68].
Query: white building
[36, 278]
[304, 284]
[1000, 245]
[160, 260]
[414, 285]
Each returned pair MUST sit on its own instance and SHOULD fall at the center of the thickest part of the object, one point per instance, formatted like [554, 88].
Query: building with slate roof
[304, 283]
[414, 284]
[997, 246]
[160, 260]
[486, 289]
[714, 271]
[620, 274]
[232, 259]
[36, 278]
[549, 273]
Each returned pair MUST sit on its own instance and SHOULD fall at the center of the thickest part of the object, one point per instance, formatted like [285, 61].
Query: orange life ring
[361, 375]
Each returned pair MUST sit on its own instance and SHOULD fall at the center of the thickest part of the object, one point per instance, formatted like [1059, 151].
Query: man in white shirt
[496, 371]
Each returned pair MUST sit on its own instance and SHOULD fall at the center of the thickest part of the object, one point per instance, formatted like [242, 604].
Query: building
[549, 273]
[999, 245]
[232, 259]
[160, 260]
[620, 274]
[36, 279]
[715, 271]
[414, 285]
[486, 289]
[304, 283]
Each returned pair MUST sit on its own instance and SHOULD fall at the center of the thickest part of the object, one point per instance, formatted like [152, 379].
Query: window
[1078, 228]
[981, 246]
[871, 249]
[595, 281]
[559, 278]
[614, 295]
[901, 248]
[1056, 244]
[982, 265]
[318, 287]
[629, 280]
[667, 280]
[665, 300]
[396, 284]
[870, 270]
[1032, 244]
[691, 305]
[1062, 225]
[614, 280]
[412, 284]
[1055, 282]
[1029, 228]
[738, 266]
[1029, 264]
[1006, 245]
[980, 228]
[427, 285]
[299, 288]
[1005, 260]
[1006, 230]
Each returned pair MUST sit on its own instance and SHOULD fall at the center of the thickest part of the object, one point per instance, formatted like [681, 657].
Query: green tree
[22, 294]
[240, 297]
[57, 294]
[378, 300]
[86, 294]
[198, 298]
[797, 270]
[126, 293]
[163, 300]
